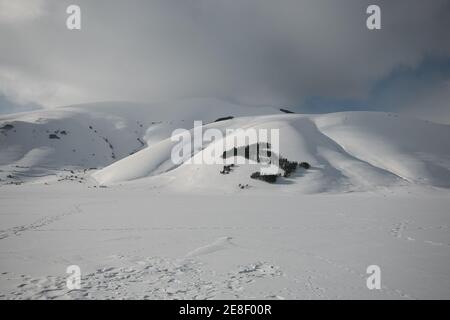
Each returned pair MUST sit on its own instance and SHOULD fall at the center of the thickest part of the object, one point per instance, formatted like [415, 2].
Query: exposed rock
[7, 127]
[286, 110]
[224, 118]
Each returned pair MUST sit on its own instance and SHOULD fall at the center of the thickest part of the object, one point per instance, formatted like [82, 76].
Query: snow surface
[348, 152]
[142, 227]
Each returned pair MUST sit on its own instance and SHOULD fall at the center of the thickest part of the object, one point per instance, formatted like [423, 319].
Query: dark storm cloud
[251, 51]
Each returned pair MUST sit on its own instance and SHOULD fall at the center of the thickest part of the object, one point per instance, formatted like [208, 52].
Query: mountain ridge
[119, 142]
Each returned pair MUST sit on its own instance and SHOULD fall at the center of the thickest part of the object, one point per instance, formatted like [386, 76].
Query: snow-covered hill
[40, 144]
[349, 151]
[165, 231]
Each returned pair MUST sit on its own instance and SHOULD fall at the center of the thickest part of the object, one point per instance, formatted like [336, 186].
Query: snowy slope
[163, 231]
[416, 150]
[40, 143]
[136, 243]
[348, 152]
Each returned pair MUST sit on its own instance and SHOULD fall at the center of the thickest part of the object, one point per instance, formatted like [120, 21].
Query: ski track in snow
[396, 293]
[45, 221]
[399, 229]
[188, 278]
[219, 244]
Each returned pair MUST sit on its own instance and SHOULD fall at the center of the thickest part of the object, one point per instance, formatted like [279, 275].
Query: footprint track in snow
[399, 229]
[148, 278]
[18, 230]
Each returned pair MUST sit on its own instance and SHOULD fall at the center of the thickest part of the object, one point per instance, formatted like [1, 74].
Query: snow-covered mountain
[44, 143]
[159, 230]
[348, 151]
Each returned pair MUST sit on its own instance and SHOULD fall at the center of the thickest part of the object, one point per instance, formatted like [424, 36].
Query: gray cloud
[251, 51]
[8, 106]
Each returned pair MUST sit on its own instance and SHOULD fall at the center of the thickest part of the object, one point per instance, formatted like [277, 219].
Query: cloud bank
[251, 51]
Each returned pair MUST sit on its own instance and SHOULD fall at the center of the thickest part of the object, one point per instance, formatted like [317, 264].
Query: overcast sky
[310, 55]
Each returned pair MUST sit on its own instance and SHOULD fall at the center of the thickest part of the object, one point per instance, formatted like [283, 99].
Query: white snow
[142, 227]
[348, 152]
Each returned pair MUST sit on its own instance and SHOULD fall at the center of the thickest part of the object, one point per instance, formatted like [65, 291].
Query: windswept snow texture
[95, 186]
[136, 243]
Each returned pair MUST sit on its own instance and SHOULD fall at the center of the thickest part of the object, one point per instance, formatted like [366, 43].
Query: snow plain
[141, 227]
